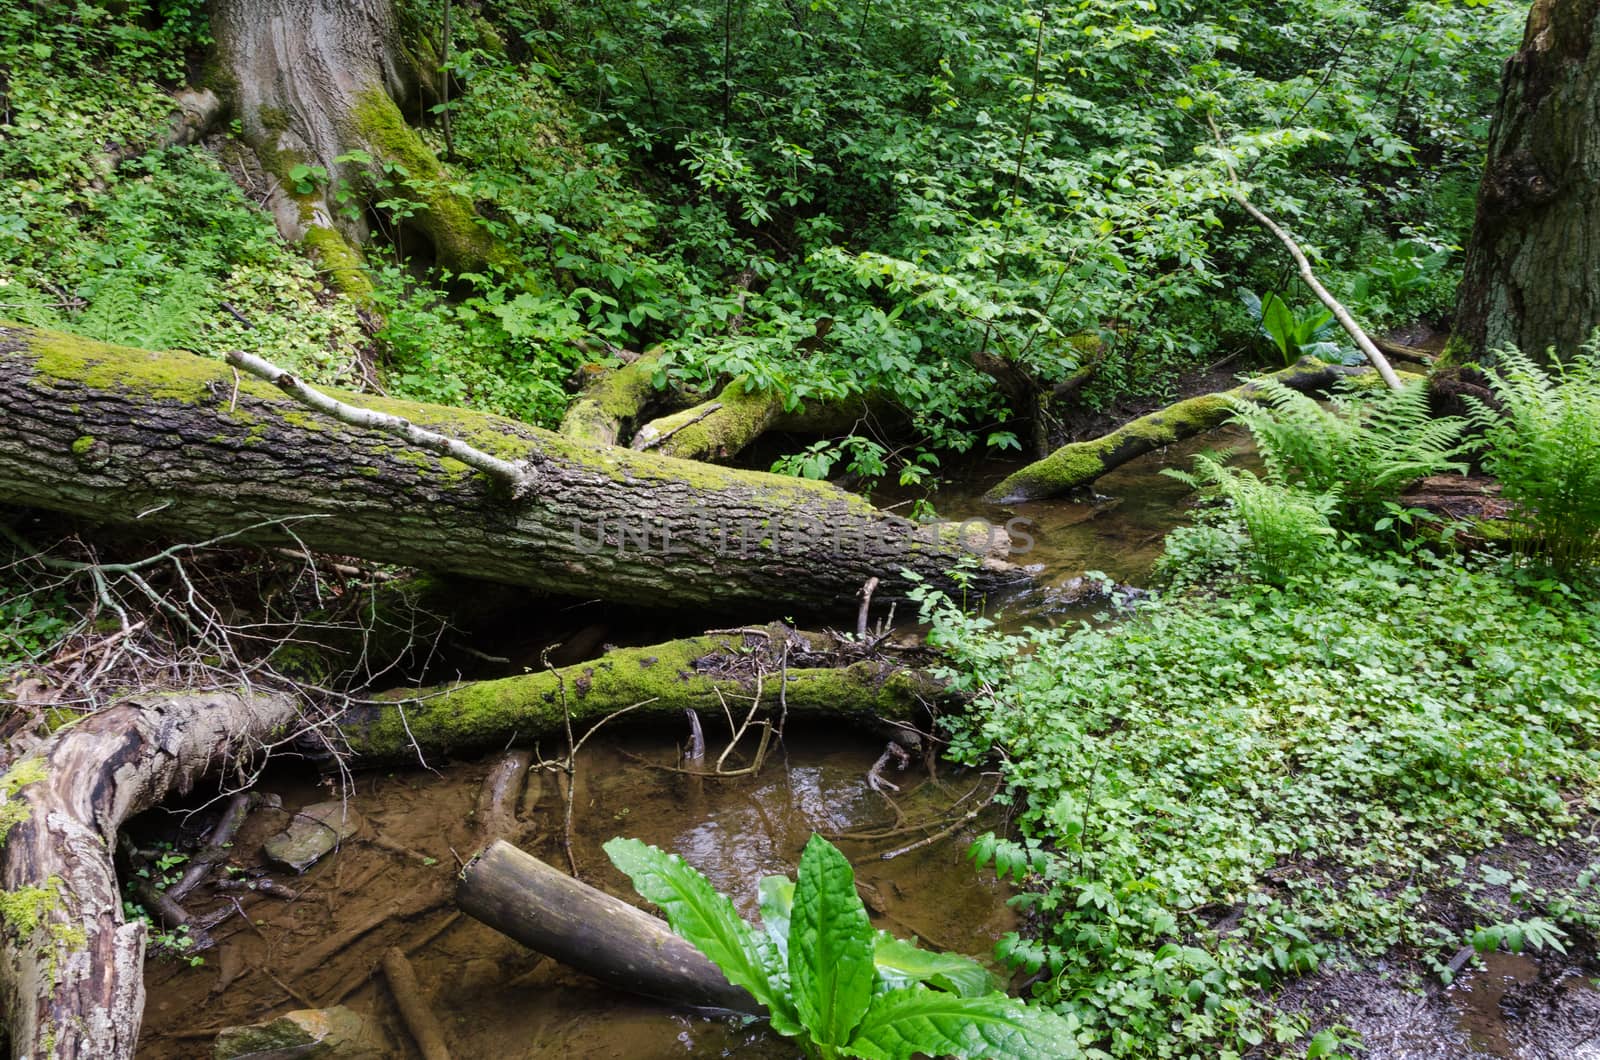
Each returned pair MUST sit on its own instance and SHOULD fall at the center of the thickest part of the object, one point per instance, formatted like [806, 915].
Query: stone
[315, 830]
[320, 1032]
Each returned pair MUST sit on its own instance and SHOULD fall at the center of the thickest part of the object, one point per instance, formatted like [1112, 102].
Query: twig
[518, 477]
[715, 406]
[945, 832]
[866, 605]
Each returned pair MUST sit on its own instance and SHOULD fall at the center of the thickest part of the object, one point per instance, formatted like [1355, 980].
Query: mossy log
[1080, 463]
[71, 969]
[178, 443]
[797, 670]
[585, 928]
[720, 429]
[612, 403]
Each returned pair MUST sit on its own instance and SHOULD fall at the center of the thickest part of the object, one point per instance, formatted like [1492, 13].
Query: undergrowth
[1220, 792]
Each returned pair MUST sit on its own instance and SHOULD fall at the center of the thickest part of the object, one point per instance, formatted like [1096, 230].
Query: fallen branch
[519, 895]
[1080, 463]
[517, 477]
[414, 1011]
[1303, 265]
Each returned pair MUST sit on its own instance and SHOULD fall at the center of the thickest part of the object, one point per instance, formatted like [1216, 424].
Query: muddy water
[495, 998]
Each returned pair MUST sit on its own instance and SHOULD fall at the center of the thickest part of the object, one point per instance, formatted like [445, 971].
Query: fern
[128, 312]
[1287, 525]
[25, 305]
[1543, 444]
[1365, 449]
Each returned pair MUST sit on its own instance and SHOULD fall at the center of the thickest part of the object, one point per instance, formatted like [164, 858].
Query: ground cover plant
[1224, 790]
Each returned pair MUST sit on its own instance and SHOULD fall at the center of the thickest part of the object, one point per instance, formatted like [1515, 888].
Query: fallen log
[610, 405]
[699, 673]
[585, 928]
[1080, 463]
[181, 443]
[71, 971]
[720, 429]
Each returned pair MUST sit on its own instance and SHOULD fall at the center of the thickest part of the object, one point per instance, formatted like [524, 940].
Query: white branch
[518, 476]
[1340, 313]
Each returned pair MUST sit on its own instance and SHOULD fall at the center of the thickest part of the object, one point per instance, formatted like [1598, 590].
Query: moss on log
[610, 405]
[696, 672]
[1080, 463]
[178, 443]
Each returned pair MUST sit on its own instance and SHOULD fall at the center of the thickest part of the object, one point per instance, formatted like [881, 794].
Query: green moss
[662, 678]
[82, 445]
[24, 908]
[12, 810]
[273, 119]
[698, 435]
[449, 219]
[343, 264]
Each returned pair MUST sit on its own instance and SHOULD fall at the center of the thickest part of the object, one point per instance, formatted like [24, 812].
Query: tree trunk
[312, 81]
[71, 971]
[585, 928]
[1532, 275]
[179, 443]
[1080, 463]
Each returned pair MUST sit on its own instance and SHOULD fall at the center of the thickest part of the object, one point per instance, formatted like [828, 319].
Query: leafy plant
[1295, 332]
[1543, 444]
[1287, 526]
[1365, 449]
[828, 979]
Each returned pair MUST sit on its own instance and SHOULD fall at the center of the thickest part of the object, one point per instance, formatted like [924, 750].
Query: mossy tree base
[313, 83]
[175, 441]
[1080, 463]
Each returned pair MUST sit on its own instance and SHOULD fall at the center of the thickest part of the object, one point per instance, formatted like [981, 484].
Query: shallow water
[496, 998]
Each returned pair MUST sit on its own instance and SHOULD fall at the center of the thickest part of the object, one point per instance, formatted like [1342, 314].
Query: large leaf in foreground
[903, 963]
[697, 912]
[830, 945]
[903, 1023]
[777, 903]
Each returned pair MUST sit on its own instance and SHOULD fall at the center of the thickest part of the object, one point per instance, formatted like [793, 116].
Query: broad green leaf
[903, 1023]
[1277, 320]
[777, 901]
[697, 912]
[901, 963]
[830, 945]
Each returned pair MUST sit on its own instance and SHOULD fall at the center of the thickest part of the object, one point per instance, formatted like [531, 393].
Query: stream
[498, 999]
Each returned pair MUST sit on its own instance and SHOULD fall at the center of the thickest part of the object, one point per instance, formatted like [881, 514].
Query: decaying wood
[1080, 463]
[587, 929]
[172, 441]
[414, 1009]
[496, 814]
[71, 971]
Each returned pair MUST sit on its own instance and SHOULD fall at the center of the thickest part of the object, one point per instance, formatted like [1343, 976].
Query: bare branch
[517, 476]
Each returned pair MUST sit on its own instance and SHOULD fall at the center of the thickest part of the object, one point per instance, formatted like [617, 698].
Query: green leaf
[777, 902]
[905, 1022]
[1277, 320]
[696, 912]
[901, 963]
[830, 945]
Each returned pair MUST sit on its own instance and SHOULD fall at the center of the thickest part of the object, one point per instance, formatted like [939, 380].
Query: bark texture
[1080, 463]
[71, 971]
[1532, 277]
[178, 443]
[585, 928]
[313, 80]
